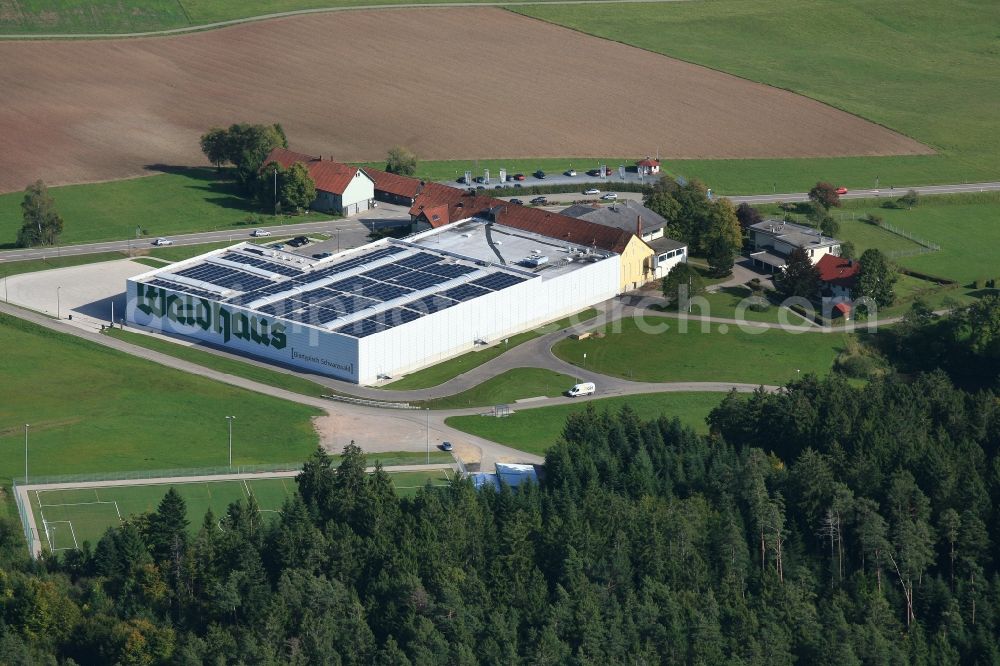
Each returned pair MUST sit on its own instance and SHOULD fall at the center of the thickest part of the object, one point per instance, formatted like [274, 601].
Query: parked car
[257, 233]
[518, 185]
[571, 172]
[510, 178]
[163, 241]
[322, 255]
[518, 176]
[540, 175]
[460, 179]
[841, 190]
[517, 202]
[594, 173]
[498, 187]
[539, 201]
[278, 246]
[298, 241]
[479, 179]
[610, 196]
[592, 190]
[586, 388]
[480, 187]
[446, 446]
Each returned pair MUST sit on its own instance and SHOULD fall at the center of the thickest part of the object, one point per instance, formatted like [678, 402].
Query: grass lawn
[183, 201]
[724, 353]
[93, 409]
[222, 364]
[33, 265]
[535, 430]
[963, 225]
[506, 388]
[724, 303]
[442, 372]
[927, 69]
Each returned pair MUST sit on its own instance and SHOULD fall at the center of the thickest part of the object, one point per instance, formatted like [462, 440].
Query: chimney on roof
[638, 226]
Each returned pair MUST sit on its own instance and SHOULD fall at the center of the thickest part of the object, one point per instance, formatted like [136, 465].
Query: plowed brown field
[448, 83]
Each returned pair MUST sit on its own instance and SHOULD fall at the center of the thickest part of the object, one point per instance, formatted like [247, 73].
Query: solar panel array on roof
[464, 292]
[497, 281]
[343, 266]
[449, 270]
[429, 304]
[419, 260]
[177, 286]
[280, 269]
[230, 278]
[380, 322]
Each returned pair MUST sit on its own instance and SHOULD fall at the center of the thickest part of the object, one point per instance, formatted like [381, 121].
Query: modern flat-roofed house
[773, 240]
[340, 188]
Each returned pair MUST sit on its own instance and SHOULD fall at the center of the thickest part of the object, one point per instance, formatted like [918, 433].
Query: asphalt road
[353, 232]
[888, 192]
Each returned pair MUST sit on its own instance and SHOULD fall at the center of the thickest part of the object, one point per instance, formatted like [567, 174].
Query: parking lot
[582, 178]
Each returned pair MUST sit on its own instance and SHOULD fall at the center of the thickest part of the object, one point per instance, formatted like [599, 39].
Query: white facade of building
[358, 196]
[568, 284]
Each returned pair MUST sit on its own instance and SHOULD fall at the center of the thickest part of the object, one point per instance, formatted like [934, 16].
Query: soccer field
[66, 517]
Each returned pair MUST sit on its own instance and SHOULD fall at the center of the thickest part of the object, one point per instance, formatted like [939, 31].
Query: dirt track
[448, 83]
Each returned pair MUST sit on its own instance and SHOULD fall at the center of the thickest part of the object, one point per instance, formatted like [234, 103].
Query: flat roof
[369, 289]
[664, 244]
[794, 234]
[514, 248]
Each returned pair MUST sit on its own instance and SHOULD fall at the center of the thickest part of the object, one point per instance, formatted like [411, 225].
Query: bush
[759, 304]
[755, 285]
[858, 367]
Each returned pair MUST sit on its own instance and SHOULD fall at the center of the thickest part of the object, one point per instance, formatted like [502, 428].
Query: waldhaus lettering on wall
[189, 310]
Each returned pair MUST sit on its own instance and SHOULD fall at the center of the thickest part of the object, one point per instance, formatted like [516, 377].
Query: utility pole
[230, 419]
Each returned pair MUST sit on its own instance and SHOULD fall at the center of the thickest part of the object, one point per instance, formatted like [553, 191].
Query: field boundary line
[77, 503]
[305, 12]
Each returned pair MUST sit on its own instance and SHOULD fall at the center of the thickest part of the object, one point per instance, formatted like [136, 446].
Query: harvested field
[448, 83]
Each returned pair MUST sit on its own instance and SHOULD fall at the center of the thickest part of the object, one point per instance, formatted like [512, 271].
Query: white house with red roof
[838, 276]
[340, 188]
[648, 167]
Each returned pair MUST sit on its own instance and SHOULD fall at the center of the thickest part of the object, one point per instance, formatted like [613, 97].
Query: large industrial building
[383, 309]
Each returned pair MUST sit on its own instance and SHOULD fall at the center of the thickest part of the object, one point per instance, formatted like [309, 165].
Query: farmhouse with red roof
[340, 188]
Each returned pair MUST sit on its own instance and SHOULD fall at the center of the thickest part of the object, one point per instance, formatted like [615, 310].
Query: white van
[586, 388]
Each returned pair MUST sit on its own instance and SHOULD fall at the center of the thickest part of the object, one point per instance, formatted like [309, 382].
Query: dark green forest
[822, 524]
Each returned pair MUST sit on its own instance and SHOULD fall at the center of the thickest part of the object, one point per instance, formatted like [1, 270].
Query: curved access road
[379, 429]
